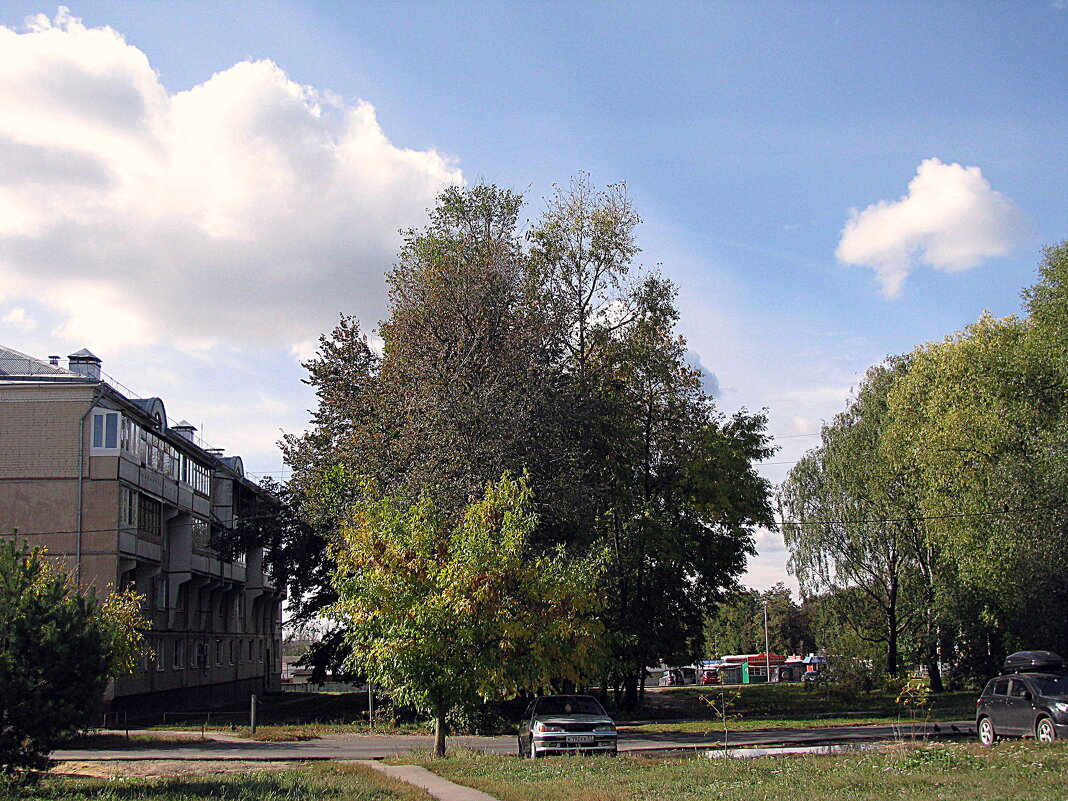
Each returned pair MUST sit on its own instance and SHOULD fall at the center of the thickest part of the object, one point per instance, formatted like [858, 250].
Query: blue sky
[203, 234]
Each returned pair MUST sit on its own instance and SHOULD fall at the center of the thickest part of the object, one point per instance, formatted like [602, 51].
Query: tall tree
[555, 357]
[849, 523]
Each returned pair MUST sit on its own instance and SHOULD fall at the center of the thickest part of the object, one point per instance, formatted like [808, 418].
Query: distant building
[124, 499]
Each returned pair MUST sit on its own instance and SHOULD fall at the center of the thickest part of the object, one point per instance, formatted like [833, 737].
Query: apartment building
[124, 498]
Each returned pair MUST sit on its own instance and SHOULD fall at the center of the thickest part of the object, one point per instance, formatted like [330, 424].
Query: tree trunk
[891, 641]
[630, 693]
[439, 733]
[934, 673]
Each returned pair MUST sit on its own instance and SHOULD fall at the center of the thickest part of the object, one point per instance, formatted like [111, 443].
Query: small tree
[57, 650]
[444, 614]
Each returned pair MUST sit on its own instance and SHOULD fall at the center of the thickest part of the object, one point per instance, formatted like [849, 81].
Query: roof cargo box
[1033, 662]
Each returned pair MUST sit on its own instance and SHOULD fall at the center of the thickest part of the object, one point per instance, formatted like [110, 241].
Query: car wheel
[986, 731]
[1044, 731]
[533, 750]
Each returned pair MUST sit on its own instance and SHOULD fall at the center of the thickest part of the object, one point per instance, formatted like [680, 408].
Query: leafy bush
[57, 650]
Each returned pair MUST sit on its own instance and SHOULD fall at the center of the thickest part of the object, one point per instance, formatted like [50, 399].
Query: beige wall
[39, 487]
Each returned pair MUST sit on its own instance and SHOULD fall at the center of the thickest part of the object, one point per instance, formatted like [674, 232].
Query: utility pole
[767, 648]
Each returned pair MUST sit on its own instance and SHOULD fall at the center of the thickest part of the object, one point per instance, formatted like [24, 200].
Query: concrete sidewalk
[440, 788]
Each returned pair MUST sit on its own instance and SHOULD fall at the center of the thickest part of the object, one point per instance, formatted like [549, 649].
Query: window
[1001, 687]
[182, 602]
[201, 534]
[250, 650]
[179, 652]
[261, 650]
[1017, 688]
[149, 516]
[194, 474]
[159, 653]
[218, 652]
[161, 592]
[128, 510]
[193, 647]
[106, 431]
[232, 644]
[128, 435]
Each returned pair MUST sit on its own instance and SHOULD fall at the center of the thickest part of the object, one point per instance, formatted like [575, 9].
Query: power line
[921, 518]
[916, 519]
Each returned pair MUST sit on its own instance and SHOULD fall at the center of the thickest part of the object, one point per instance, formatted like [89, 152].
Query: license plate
[580, 738]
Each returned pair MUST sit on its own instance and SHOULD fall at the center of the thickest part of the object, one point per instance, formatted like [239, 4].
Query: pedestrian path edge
[440, 788]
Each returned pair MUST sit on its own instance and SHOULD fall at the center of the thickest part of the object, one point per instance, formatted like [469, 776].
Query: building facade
[124, 499]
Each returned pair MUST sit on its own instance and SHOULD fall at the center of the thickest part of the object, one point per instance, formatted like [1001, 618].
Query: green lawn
[302, 716]
[1020, 771]
[785, 706]
[313, 783]
[291, 717]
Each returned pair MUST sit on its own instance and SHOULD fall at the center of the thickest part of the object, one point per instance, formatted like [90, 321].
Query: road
[373, 746]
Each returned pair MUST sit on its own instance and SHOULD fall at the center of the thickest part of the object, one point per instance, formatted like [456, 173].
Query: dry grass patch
[309, 782]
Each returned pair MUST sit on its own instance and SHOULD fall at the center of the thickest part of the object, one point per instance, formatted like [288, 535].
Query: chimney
[84, 363]
[54, 361]
[185, 430]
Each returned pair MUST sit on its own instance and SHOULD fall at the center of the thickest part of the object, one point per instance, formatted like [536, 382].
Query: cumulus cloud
[19, 320]
[950, 219]
[248, 209]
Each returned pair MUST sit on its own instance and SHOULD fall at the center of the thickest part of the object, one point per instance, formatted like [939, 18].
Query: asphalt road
[373, 746]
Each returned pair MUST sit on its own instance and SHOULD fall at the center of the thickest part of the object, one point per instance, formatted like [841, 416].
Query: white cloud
[20, 321]
[246, 210]
[950, 219]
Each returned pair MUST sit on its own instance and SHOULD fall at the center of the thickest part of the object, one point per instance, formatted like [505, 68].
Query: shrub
[57, 650]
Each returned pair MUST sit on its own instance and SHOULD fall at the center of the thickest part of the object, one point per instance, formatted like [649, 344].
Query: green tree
[554, 357]
[980, 419]
[57, 651]
[443, 615]
[850, 522]
[737, 624]
[669, 479]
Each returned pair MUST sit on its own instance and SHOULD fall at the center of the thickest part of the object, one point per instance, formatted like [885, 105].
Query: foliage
[720, 702]
[737, 625]
[442, 615]
[851, 529]
[938, 497]
[553, 356]
[57, 651]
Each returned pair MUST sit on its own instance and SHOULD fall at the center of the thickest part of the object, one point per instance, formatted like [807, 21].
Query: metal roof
[14, 364]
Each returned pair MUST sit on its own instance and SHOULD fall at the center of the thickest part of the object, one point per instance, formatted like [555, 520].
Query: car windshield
[568, 705]
[1052, 685]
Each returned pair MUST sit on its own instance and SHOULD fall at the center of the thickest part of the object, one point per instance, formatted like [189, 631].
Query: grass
[769, 706]
[1021, 771]
[290, 717]
[311, 783]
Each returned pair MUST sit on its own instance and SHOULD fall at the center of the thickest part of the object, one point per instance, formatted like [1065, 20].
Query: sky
[195, 191]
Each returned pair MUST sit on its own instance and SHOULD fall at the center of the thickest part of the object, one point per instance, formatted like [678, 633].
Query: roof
[16, 365]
